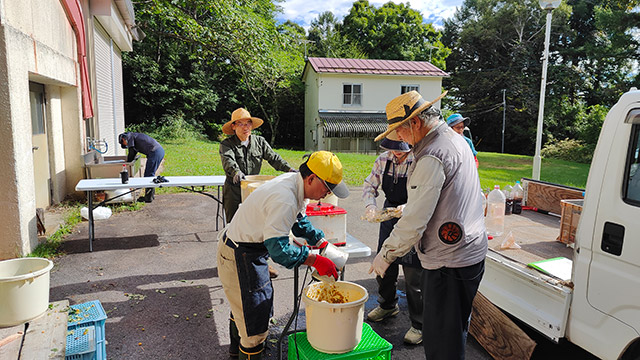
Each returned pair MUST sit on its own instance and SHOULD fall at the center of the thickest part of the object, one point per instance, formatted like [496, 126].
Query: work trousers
[388, 285]
[448, 296]
[245, 280]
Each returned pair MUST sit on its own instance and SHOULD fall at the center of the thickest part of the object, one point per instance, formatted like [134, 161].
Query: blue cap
[456, 118]
[388, 144]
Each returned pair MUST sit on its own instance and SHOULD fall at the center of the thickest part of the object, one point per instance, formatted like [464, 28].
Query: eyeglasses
[325, 185]
[243, 124]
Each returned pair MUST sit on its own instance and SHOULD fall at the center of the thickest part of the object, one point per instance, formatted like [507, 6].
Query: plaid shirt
[373, 182]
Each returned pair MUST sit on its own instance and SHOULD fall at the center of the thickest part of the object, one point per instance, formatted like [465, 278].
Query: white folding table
[136, 183]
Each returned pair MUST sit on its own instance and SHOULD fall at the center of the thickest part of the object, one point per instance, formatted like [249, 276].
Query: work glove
[325, 266]
[400, 210]
[379, 265]
[370, 213]
[239, 176]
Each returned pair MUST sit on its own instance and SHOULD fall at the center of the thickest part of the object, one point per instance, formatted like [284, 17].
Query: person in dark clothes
[389, 174]
[144, 144]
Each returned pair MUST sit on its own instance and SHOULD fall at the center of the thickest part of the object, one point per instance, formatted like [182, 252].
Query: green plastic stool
[371, 346]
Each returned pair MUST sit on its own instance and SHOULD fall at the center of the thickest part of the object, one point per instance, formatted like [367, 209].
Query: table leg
[91, 234]
[296, 307]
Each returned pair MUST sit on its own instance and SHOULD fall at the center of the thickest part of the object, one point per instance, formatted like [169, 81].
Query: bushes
[568, 149]
[172, 126]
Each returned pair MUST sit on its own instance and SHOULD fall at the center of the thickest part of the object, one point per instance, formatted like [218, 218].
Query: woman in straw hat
[442, 220]
[242, 154]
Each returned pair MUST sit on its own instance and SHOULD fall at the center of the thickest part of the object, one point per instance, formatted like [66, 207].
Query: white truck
[598, 308]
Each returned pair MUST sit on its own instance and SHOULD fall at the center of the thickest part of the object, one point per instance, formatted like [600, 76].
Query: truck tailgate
[539, 300]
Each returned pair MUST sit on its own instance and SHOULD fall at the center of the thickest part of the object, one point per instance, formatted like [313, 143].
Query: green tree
[327, 41]
[393, 31]
[497, 45]
[251, 60]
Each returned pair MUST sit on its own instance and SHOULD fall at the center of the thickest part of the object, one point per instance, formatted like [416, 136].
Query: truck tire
[632, 352]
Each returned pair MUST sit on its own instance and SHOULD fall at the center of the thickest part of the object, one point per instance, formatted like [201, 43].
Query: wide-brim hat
[456, 119]
[403, 108]
[240, 114]
[328, 168]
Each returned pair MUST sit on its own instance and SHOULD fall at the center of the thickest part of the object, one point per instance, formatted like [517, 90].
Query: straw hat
[403, 108]
[240, 114]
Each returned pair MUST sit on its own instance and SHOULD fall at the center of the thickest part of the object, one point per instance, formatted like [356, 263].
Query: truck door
[614, 274]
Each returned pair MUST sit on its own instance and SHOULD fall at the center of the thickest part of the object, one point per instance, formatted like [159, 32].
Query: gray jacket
[443, 217]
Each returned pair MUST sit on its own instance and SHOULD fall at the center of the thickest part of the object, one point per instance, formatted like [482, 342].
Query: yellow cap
[328, 167]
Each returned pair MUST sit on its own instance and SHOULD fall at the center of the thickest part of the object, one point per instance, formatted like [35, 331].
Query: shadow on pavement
[166, 316]
[114, 243]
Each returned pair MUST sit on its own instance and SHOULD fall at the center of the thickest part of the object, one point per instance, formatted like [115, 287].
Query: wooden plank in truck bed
[546, 196]
[536, 234]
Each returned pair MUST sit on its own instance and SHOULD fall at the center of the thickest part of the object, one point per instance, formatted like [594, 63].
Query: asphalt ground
[154, 272]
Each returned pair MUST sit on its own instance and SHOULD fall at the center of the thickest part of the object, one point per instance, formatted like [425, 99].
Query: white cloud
[304, 11]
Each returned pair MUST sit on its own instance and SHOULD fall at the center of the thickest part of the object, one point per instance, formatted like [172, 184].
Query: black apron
[255, 286]
[395, 192]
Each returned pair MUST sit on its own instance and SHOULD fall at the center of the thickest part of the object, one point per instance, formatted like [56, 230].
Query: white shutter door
[118, 94]
[104, 88]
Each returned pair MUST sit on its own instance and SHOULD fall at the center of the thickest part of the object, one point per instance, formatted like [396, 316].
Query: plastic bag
[385, 214]
[509, 242]
[99, 213]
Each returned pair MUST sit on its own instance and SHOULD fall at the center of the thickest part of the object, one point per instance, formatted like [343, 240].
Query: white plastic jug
[495, 212]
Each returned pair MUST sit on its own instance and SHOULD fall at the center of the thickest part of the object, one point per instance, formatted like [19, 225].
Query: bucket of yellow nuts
[334, 315]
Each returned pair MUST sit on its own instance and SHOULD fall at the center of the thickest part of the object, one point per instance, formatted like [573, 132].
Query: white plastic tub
[336, 328]
[24, 289]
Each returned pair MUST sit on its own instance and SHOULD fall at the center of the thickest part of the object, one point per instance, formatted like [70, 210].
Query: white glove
[379, 265]
[370, 213]
[400, 210]
[238, 177]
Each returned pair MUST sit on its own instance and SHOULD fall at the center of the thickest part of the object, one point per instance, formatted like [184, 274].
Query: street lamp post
[547, 5]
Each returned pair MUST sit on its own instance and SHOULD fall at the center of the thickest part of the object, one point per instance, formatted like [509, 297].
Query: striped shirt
[373, 182]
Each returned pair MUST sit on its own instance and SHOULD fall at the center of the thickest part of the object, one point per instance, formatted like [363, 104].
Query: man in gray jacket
[443, 220]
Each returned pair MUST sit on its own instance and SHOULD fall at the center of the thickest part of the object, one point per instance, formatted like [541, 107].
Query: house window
[407, 88]
[352, 94]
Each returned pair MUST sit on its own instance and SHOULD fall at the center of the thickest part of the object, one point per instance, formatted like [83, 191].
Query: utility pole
[305, 42]
[504, 113]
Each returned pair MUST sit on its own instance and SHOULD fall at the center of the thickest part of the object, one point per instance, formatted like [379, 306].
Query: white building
[345, 99]
[60, 84]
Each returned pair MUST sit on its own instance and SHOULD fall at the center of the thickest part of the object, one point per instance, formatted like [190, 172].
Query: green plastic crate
[371, 346]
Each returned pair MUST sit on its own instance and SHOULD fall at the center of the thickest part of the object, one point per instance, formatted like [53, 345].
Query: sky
[303, 12]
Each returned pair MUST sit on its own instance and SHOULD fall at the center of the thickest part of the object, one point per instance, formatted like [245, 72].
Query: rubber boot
[254, 353]
[234, 346]
[149, 194]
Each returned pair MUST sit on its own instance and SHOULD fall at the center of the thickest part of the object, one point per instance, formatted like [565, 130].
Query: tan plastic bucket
[335, 328]
[24, 289]
[254, 181]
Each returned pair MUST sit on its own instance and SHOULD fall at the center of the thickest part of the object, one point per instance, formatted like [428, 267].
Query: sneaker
[379, 314]
[413, 336]
[273, 273]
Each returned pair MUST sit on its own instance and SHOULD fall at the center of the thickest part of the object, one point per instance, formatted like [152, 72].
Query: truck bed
[539, 300]
[537, 235]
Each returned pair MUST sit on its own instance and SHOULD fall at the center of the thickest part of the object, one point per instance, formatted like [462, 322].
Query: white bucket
[24, 289]
[336, 328]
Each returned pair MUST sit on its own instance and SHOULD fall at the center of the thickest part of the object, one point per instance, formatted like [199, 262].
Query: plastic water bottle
[124, 174]
[495, 212]
[518, 194]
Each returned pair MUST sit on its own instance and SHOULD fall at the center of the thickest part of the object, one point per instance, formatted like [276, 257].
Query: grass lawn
[195, 157]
